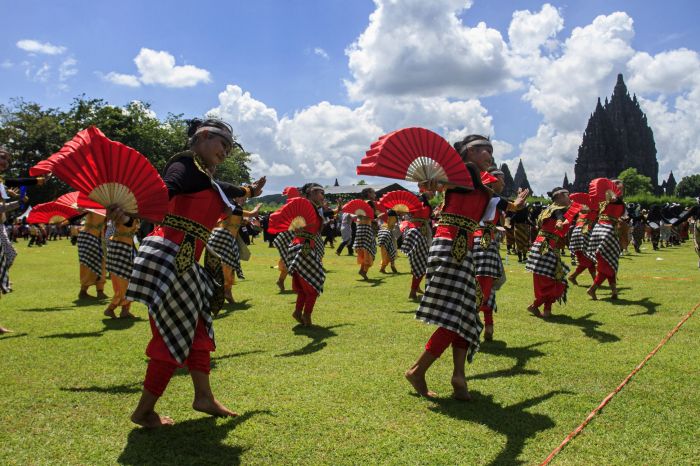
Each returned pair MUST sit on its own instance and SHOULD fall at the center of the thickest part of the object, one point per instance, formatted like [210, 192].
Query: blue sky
[308, 85]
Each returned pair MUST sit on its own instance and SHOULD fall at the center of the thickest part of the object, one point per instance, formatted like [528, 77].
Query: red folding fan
[571, 212]
[400, 201]
[110, 173]
[78, 200]
[291, 192]
[297, 213]
[51, 212]
[415, 154]
[358, 207]
[600, 189]
[582, 198]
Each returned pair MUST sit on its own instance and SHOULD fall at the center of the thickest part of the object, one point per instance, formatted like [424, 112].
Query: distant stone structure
[509, 189]
[617, 137]
[565, 184]
[669, 186]
[520, 179]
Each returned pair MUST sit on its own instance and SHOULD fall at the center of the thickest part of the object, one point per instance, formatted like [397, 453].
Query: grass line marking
[605, 401]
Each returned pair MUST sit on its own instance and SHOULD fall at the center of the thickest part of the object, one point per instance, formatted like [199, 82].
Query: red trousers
[583, 263]
[415, 282]
[486, 285]
[306, 294]
[441, 339]
[162, 365]
[547, 290]
[604, 272]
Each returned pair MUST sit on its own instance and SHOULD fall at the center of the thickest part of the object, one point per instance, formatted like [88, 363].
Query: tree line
[32, 133]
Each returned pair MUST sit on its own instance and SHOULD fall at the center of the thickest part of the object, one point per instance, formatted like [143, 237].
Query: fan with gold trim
[359, 208]
[297, 213]
[51, 212]
[401, 202]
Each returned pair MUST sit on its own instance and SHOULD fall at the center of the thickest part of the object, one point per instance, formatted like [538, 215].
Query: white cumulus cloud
[320, 52]
[34, 46]
[159, 68]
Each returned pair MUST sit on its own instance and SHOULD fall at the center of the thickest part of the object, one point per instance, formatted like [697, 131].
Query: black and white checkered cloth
[225, 245]
[319, 246]
[120, 259]
[546, 264]
[451, 299]
[604, 240]
[90, 252]
[174, 302]
[4, 271]
[364, 239]
[386, 239]
[282, 242]
[308, 266]
[10, 252]
[415, 246]
[487, 261]
[578, 241]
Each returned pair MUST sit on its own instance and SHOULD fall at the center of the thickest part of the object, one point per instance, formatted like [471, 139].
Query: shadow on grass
[229, 308]
[588, 326]
[521, 354]
[91, 301]
[109, 324]
[8, 336]
[110, 390]
[318, 336]
[650, 306]
[516, 424]
[47, 309]
[198, 441]
[214, 361]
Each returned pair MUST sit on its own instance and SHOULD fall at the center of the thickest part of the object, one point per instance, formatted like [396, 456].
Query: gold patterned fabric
[466, 226]
[193, 230]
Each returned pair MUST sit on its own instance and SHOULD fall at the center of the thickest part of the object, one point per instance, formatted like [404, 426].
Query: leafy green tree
[635, 183]
[689, 186]
[361, 183]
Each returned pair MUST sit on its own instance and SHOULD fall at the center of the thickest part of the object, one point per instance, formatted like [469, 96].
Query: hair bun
[192, 126]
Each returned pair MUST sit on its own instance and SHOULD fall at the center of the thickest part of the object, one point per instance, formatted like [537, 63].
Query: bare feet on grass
[459, 387]
[297, 316]
[534, 311]
[212, 406]
[418, 383]
[280, 285]
[109, 312]
[151, 419]
[4, 330]
[591, 293]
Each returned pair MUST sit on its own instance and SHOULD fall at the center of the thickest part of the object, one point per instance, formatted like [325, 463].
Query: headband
[478, 142]
[216, 130]
[558, 191]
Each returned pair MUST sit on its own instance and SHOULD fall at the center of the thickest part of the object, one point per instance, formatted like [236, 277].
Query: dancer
[604, 246]
[416, 246]
[544, 259]
[304, 262]
[387, 241]
[451, 298]
[578, 244]
[283, 240]
[93, 265]
[168, 278]
[365, 242]
[487, 257]
[120, 262]
[347, 232]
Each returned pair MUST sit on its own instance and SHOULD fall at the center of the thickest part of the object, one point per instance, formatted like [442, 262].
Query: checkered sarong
[120, 258]
[10, 252]
[319, 246]
[364, 239]
[175, 302]
[487, 261]
[451, 298]
[549, 264]
[4, 271]
[578, 241]
[386, 239]
[282, 242]
[225, 245]
[308, 266]
[604, 240]
[415, 246]
[90, 252]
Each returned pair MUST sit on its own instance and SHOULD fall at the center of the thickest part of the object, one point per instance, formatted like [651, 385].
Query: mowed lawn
[335, 393]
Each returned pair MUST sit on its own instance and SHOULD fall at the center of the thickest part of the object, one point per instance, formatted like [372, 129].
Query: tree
[689, 186]
[635, 183]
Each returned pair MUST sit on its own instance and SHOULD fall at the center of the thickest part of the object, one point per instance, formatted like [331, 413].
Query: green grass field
[335, 393]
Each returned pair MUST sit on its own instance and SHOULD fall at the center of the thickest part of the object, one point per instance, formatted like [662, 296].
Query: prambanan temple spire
[520, 179]
[670, 185]
[617, 137]
[510, 188]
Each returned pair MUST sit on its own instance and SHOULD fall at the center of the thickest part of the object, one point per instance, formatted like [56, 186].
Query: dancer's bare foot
[572, 279]
[591, 293]
[229, 297]
[393, 269]
[413, 295]
[213, 407]
[151, 420]
[488, 333]
[613, 296]
[101, 295]
[363, 274]
[306, 320]
[547, 313]
[419, 291]
[126, 314]
[280, 285]
[459, 385]
[418, 383]
[5, 330]
[109, 312]
[534, 311]
[297, 316]
[84, 295]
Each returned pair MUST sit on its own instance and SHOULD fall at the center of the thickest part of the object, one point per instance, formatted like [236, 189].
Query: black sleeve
[558, 214]
[231, 190]
[183, 177]
[17, 182]
[502, 204]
